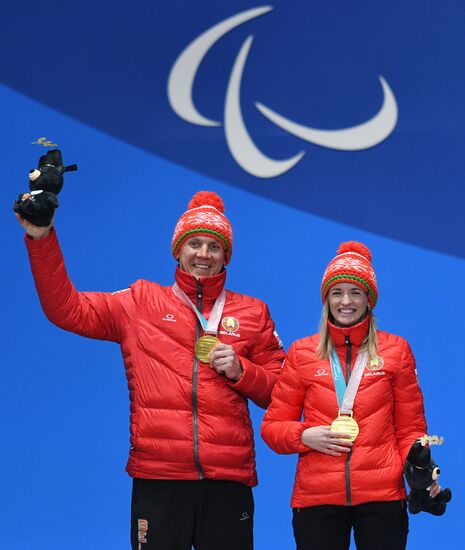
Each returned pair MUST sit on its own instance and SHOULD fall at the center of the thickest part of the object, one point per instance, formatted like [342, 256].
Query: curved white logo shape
[182, 75]
[241, 145]
[242, 148]
[363, 136]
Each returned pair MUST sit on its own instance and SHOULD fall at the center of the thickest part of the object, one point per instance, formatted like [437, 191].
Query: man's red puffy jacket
[388, 408]
[187, 421]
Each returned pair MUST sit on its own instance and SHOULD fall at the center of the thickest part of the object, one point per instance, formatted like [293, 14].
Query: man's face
[201, 257]
[348, 304]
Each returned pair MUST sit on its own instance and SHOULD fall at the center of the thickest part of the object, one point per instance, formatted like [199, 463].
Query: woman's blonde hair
[325, 345]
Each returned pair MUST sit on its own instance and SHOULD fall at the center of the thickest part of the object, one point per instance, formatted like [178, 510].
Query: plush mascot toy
[421, 471]
[45, 182]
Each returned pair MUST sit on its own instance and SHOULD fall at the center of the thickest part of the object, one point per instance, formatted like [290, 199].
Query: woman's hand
[434, 489]
[323, 440]
[32, 230]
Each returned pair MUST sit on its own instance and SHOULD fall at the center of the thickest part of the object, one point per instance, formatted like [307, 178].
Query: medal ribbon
[346, 395]
[209, 326]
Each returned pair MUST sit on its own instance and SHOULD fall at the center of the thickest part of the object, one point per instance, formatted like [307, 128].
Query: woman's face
[347, 303]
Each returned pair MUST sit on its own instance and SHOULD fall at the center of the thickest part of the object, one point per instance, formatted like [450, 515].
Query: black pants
[377, 526]
[176, 515]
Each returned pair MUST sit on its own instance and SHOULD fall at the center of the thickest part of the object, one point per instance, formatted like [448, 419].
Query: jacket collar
[357, 333]
[211, 286]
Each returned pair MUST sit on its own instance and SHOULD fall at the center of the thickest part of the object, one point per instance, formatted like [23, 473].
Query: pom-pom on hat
[204, 216]
[351, 265]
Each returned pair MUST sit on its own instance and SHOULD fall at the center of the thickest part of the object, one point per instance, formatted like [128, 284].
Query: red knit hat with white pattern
[351, 265]
[204, 216]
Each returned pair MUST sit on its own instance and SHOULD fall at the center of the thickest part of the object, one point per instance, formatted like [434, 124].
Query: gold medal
[346, 424]
[203, 347]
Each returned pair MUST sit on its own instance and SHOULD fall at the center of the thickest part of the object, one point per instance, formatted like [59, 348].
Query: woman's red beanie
[351, 265]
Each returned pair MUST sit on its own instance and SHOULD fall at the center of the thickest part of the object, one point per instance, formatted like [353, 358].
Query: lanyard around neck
[346, 394]
[209, 326]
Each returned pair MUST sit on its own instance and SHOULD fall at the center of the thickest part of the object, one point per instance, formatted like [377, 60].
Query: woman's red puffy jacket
[187, 421]
[388, 408]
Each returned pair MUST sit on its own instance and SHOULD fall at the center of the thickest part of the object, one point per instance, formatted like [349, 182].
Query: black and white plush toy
[421, 471]
[45, 182]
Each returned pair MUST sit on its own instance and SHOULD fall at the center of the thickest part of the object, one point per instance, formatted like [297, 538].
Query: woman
[354, 437]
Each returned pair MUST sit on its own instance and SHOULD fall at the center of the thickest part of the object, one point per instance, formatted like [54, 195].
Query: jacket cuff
[296, 438]
[40, 244]
[246, 381]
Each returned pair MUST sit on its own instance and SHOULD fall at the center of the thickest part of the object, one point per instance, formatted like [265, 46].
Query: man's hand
[224, 360]
[32, 230]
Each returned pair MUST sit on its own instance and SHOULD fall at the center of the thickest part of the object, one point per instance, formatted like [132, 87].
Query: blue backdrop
[308, 147]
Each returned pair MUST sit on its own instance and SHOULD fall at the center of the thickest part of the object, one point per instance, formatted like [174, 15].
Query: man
[194, 353]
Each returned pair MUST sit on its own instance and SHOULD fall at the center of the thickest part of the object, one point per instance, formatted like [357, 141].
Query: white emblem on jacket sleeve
[276, 335]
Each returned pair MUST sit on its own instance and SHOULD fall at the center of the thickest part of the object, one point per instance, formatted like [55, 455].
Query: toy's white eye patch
[34, 175]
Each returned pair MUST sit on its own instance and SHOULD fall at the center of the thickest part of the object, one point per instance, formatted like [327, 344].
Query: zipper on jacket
[194, 389]
[347, 466]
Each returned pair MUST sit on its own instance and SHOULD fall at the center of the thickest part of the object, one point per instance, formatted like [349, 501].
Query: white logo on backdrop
[240, 143]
